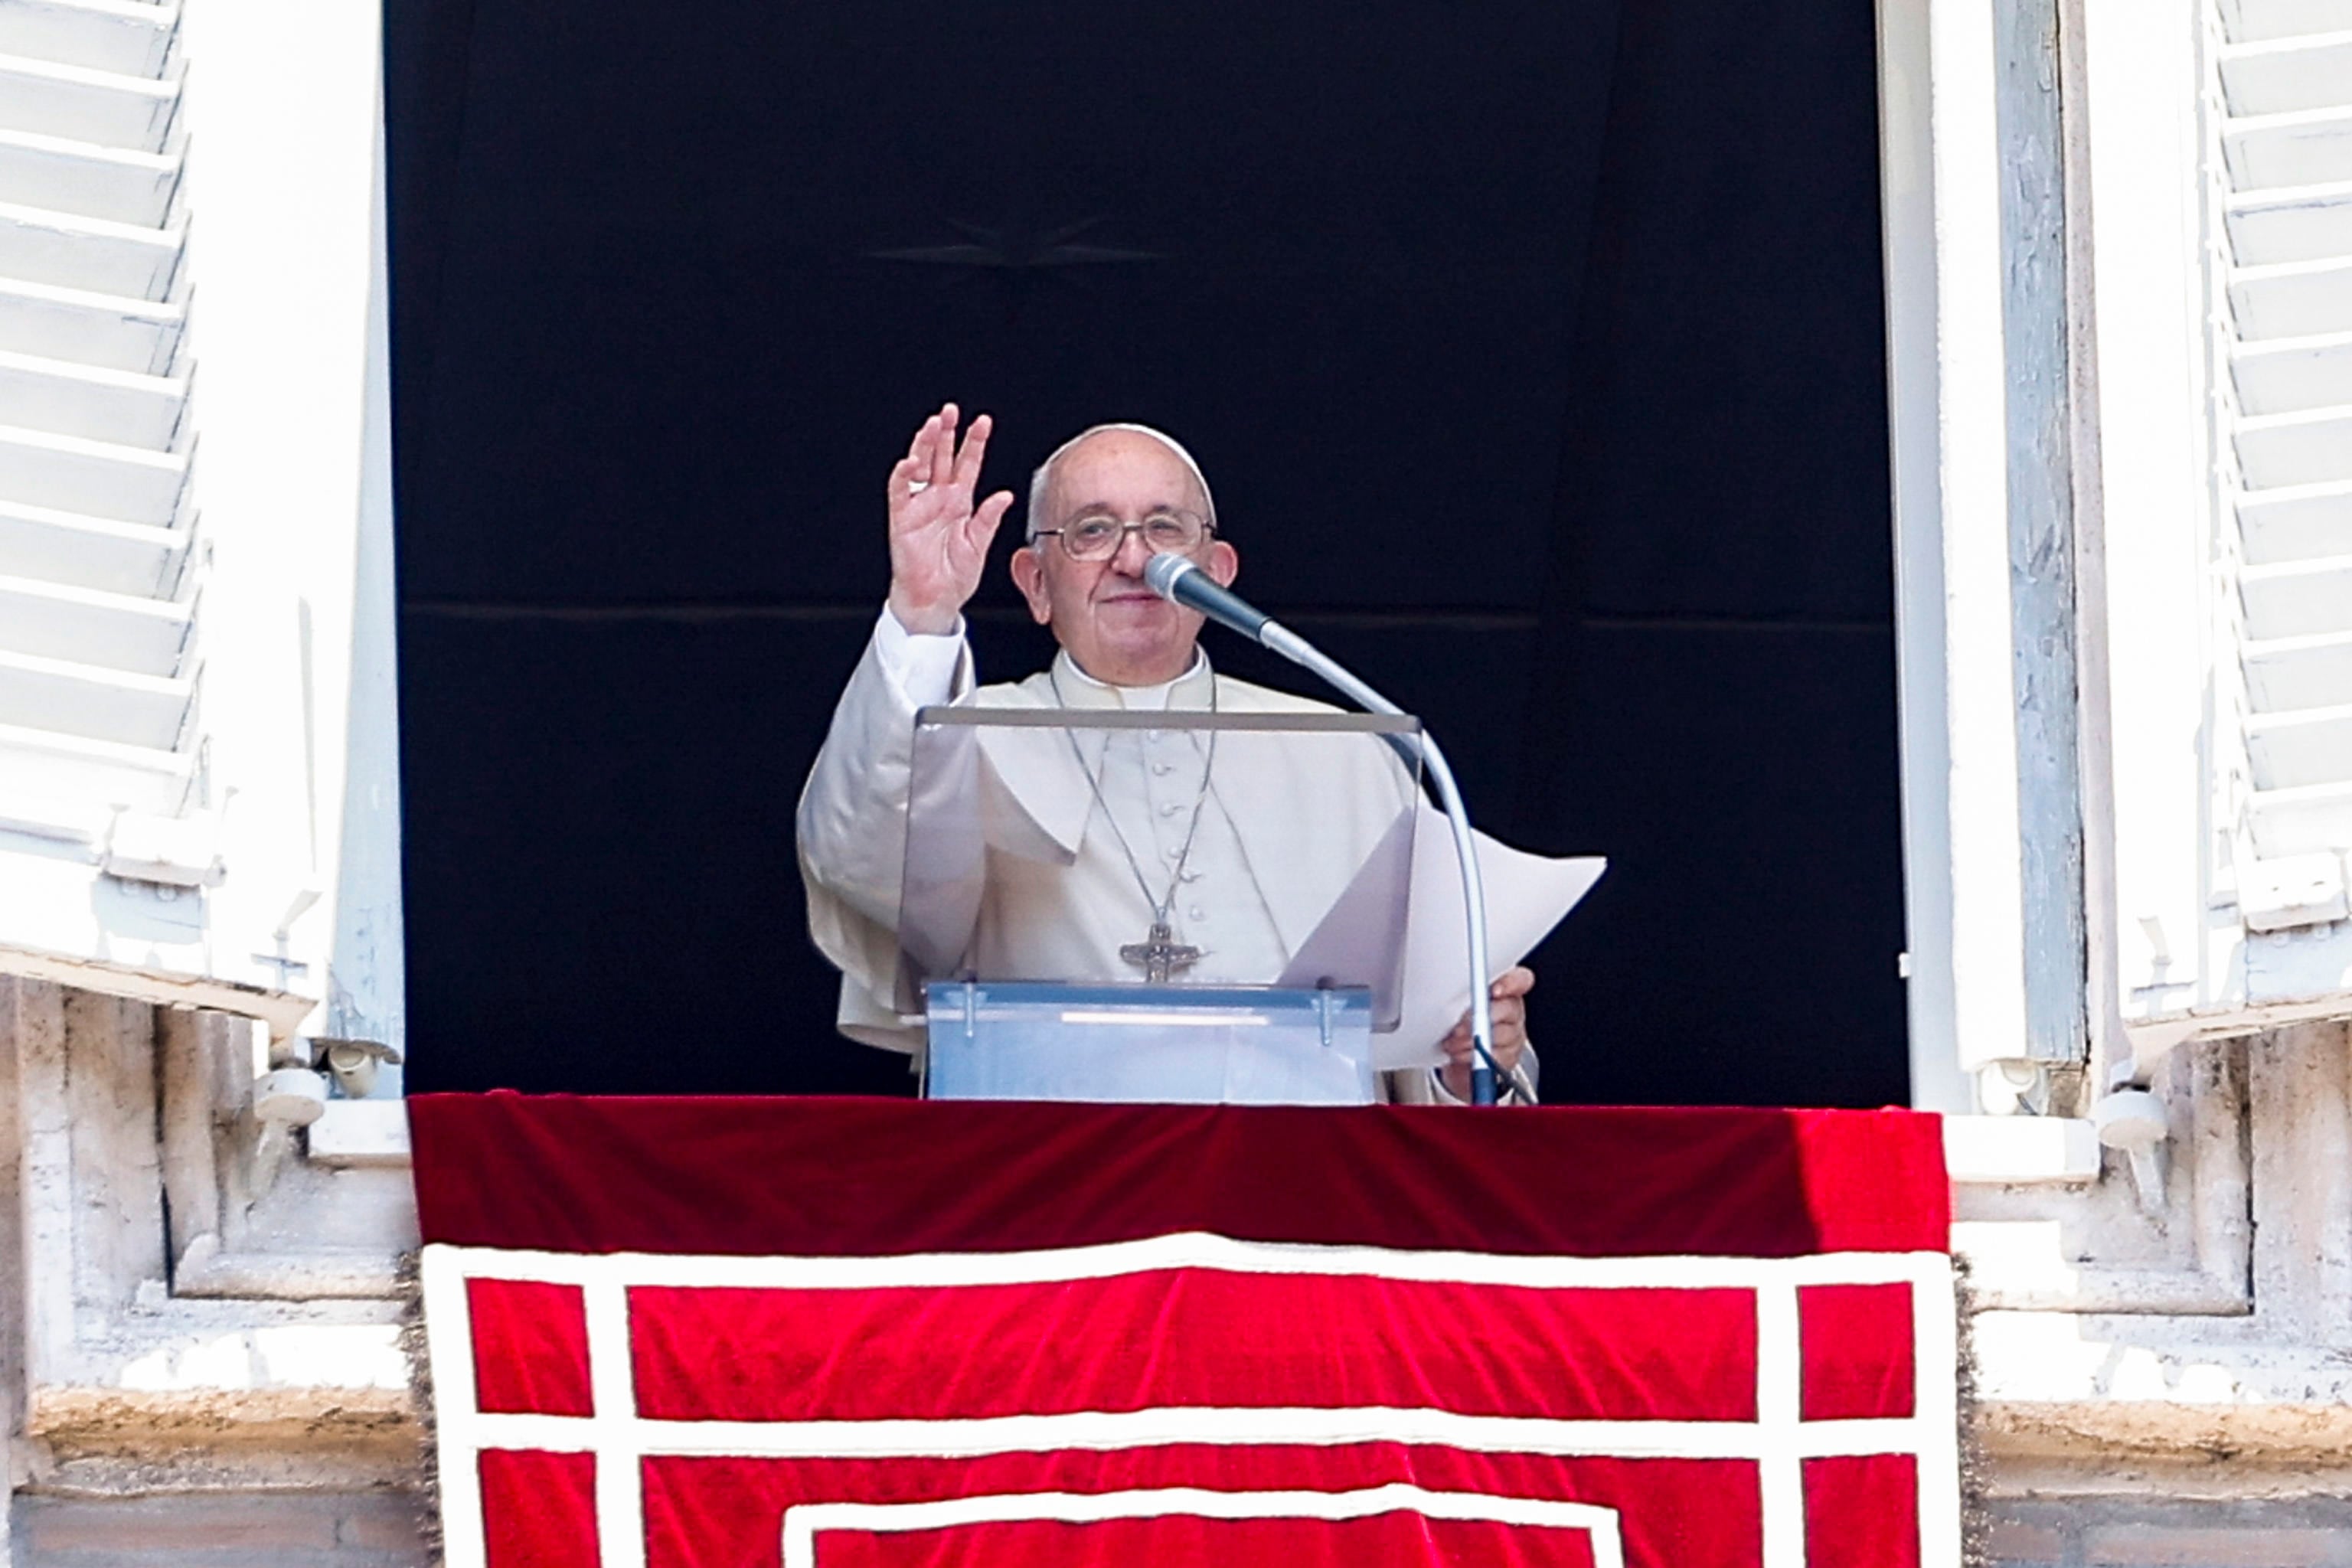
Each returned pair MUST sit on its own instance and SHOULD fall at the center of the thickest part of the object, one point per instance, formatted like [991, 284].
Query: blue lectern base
[1184, 1045]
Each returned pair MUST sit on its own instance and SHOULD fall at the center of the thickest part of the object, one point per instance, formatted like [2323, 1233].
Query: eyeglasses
[1098, 536]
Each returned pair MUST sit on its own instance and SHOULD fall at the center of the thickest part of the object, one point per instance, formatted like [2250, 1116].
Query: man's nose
[1133, 554]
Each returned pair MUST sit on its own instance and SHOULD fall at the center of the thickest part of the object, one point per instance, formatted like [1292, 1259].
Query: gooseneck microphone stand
[1180, 581]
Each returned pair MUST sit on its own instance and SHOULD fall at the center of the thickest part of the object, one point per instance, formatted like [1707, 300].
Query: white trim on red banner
[1779, 1425]
[969, 1437]
[1198, 1249]
[1935, 1407]
[805, 1522]
[1778, 1439]
[612, 1385]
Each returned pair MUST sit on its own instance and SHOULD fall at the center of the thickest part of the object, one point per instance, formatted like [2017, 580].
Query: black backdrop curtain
[1534, 349]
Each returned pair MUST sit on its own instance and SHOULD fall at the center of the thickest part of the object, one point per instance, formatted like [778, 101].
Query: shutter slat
[2307, 223]
[2300, 523]
[2286, 75]
[127, 37]
[2298, 299]
[2308, 447]
[107, 332]
[2311, 148]
[2299, 599]
[86, 626]
[85, 179]
[100, 478]
[2286, 375]
[2311, 820]
[2254, 21]
[2299, 672]
[112, 108]
[67, 399]
[76, 552]
[97, 704]
[89, 254]
[2296, 749]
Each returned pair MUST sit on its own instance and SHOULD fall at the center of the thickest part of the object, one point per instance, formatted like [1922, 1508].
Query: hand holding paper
[1527, 896]
[1507, 998]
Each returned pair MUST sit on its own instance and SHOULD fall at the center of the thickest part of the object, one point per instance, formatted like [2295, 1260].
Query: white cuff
[1523, 1078]
[921, 667]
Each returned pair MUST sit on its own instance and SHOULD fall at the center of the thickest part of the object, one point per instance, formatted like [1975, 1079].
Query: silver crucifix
[1159, 953]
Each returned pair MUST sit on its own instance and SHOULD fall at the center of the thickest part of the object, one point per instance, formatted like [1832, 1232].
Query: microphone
[1180, 580]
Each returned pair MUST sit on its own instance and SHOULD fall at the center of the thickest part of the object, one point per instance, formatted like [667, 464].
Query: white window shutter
[2226, 426]
[2281, 88]
[100, 659]
[179, 553]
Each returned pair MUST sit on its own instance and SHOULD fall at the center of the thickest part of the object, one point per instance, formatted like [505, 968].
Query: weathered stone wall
[199, 1353]
[2156, 1531]
[2201, 1312]
[384, 1530]
[279, 1530]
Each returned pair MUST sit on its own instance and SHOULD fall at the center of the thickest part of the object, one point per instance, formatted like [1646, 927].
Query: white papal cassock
[1278, 837]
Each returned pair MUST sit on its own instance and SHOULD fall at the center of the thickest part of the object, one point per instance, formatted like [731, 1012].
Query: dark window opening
[1535, 354]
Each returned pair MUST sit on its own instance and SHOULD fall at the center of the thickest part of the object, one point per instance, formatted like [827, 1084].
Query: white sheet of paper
[1527, 895]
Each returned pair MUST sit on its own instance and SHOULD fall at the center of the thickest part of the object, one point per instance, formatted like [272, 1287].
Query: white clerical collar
[1079, 689]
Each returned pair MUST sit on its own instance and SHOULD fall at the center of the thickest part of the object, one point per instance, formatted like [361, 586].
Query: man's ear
[1225, 563]
[1029, 576]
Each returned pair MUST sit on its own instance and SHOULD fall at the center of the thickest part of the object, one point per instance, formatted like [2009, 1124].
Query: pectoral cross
[1159, 953]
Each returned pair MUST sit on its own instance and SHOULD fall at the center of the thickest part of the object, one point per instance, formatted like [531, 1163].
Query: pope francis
[1140, 837]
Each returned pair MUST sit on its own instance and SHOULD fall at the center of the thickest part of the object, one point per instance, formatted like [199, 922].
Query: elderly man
[1099, 508]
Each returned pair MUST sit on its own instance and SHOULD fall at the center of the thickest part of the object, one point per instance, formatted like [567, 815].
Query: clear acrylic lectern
[1189, 907]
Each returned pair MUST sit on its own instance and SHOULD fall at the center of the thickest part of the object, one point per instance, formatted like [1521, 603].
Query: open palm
[939, 539]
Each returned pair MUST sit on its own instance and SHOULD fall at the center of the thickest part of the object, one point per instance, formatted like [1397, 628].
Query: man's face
[1117, 628]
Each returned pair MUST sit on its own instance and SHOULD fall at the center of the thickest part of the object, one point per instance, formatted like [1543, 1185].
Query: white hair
[1042, 481]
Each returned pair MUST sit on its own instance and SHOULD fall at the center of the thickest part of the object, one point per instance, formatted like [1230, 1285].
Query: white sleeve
[1528, 1067]
[921, 668]
[853, 811]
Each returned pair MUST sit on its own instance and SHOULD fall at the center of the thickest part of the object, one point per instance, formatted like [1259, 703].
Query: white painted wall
[1915, 438]
[2156, 475]
[1940, 173]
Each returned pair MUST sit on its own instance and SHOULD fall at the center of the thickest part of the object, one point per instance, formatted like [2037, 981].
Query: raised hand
[939, 540]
